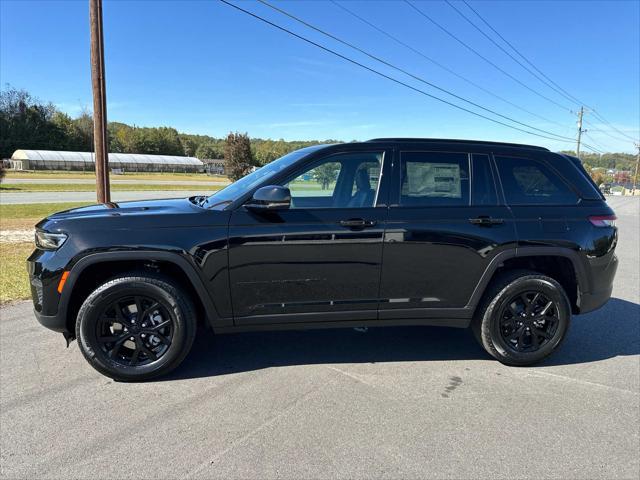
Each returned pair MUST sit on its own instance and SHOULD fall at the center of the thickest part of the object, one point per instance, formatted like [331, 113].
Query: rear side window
[483, 189]
[434, 178]
[529, 182]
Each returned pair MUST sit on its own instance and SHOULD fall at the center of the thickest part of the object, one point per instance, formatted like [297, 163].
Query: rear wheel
[136, 327]
[523, 318]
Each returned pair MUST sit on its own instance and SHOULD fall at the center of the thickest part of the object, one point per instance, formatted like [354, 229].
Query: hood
[174, 212]
[141, 207]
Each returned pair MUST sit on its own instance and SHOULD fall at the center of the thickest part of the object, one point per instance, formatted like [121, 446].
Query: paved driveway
[112, 180]
[390, 403]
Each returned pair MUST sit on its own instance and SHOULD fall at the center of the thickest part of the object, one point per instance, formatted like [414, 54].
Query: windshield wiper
[224, 202]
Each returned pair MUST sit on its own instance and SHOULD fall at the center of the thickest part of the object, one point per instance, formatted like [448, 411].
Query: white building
[85, 161]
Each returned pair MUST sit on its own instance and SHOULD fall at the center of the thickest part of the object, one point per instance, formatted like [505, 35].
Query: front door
[446, 223]
[320, 259]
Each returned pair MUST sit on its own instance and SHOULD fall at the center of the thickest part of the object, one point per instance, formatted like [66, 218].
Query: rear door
[538, 196]
[446, 223]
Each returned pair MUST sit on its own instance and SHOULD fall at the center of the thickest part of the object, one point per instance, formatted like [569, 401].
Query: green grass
[22, 217]
[35, 210]
[80, 187]
[14, 282]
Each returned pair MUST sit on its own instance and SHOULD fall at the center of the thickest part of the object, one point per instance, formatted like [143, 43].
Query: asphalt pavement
[112, 180]
[389, 403]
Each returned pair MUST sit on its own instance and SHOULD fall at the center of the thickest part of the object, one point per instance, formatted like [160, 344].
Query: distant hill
[619, 161]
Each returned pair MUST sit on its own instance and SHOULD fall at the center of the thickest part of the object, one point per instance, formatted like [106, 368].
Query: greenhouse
[85, 161]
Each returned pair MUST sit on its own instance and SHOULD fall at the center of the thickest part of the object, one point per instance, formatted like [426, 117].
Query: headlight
[49, 241]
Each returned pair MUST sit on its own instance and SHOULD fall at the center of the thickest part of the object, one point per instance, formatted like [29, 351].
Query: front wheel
[523, 318]
[134, 328]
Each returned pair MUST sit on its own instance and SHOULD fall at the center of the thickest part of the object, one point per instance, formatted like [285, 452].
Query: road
[390, 403]
[86, 181]
[90, 197]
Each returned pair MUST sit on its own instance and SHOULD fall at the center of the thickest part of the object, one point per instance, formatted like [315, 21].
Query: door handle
[357, 223]
[486, 220]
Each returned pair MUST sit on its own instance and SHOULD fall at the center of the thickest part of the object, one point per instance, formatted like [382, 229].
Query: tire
[516, 332]
[127, 344]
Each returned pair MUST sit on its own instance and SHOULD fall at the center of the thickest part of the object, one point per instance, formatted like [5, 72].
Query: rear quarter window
[526, 181]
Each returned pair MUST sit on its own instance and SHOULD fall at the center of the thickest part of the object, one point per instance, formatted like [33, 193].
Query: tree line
[28, 123]
[624, 165]
[614, 161]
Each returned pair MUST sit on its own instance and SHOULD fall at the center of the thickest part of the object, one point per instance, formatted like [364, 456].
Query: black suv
[508, 239]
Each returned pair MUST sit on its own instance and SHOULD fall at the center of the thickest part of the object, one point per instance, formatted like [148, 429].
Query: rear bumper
[592, 301]
[603, 272]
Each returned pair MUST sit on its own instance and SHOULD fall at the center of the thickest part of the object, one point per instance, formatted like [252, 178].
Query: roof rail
[464, 142]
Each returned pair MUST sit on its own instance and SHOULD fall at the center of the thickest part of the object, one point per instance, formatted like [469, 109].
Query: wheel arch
[95, 268]
[566, 268]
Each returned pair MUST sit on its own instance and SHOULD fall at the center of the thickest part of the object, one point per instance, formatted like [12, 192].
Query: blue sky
[203, 67]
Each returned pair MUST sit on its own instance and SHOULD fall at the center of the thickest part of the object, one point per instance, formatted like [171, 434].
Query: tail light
[603, 220]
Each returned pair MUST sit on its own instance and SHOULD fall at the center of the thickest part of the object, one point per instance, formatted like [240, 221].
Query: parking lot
[389, 403]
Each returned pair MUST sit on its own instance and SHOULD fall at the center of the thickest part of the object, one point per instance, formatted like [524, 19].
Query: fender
[188, 269]
[522, 252]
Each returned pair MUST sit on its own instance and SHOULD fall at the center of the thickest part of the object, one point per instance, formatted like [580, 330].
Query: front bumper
[44, 275]
[57, 323]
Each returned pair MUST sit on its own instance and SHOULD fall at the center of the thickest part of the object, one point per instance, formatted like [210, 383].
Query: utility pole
[635, 177]
[99, 102]
[580, 131]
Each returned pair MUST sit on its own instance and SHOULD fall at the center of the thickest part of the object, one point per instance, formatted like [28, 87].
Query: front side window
[529, 182]
[232, 192]
[349, 180]
[434, 178]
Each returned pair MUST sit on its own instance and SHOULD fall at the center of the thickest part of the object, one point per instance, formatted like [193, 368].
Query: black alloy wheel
[135, 330]
[522, 318]
[528, 321]
[136, 327]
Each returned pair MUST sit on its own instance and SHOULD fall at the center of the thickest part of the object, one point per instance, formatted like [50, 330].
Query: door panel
[300, 261]
[538, 197]
[442, 232]
[434, 257]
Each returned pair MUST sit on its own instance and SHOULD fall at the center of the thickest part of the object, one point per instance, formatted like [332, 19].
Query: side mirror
[272, 197]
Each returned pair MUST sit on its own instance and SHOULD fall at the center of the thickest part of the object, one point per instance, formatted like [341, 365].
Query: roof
[453, 141]
[89, 157]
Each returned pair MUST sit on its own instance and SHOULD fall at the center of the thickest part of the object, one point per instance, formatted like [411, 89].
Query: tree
[237, 155]
[27, 123]
[325, 174]
[598, 177]
[209, 150]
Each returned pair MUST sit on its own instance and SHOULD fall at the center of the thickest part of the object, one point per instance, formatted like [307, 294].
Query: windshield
[232, 192]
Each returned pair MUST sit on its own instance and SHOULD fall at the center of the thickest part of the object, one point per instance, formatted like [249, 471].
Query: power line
[468, 20]
[600, 145]
[445, 68]
[383, 75]
[520, 54]
[593, 149]
[593, 110]
[470, 48]
[605, 132]
[420, 79]
[604, 120]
